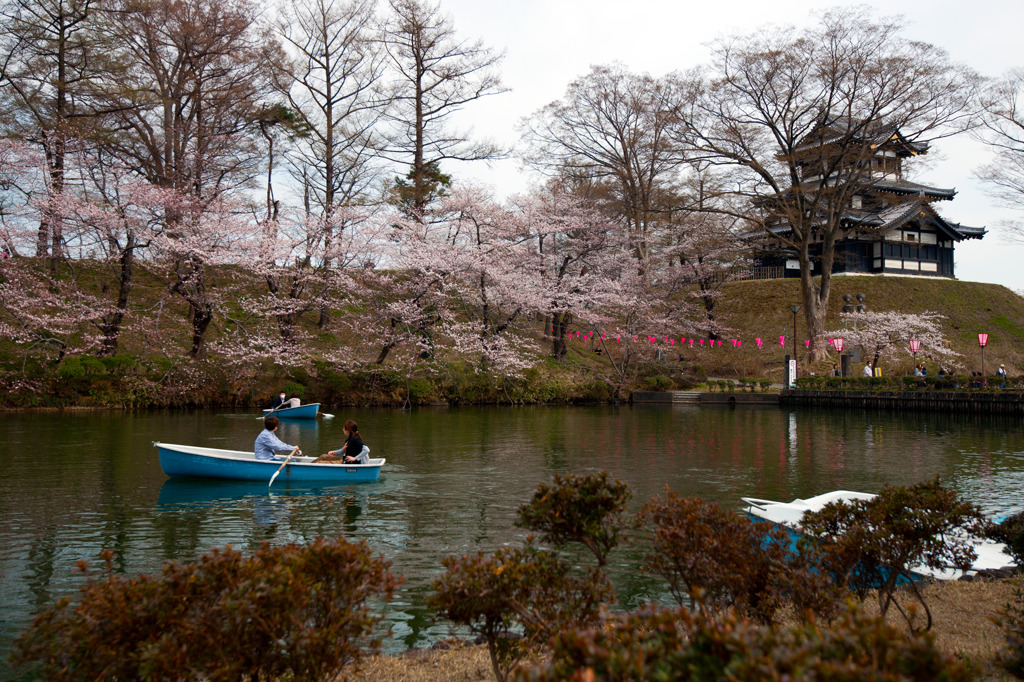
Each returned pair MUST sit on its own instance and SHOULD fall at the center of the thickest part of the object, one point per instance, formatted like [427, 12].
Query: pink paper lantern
[758, 341]
[702, 342]
[672, 342]
[691, 343]
[807, 343]
[782, 341]
[982, 339]
[915, 345]
[739, 344]
[617, 337]
[839, 343]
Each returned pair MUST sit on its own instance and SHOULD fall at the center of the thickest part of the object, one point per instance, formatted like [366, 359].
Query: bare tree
[796, 116]
[436, 75]
[1003, 130]
[614, 129]
[333, 81]
[49, 57]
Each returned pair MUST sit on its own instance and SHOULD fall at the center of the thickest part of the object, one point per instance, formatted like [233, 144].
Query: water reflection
[452, 484]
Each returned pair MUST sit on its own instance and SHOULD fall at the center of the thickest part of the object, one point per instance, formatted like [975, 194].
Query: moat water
[76, 483]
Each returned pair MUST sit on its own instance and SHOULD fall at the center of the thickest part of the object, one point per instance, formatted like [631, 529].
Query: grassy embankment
[151, 371]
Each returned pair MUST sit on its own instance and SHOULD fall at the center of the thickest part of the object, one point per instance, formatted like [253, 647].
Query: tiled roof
[873, 133]
[908, 187]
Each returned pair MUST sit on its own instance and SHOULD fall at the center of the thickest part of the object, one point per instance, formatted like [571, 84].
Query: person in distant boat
[267, 443]
[348, 453]
[867, 370]
[281, 399]
[293, 401]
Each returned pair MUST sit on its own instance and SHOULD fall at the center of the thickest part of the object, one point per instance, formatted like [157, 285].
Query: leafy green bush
[420, 390]
[659, 382]
[295, 388]
[680, 645]
[118, 364]
[71, 368]
[872, 544]
[765, 384]
[93, 365]
[717, 559]
[288, 610]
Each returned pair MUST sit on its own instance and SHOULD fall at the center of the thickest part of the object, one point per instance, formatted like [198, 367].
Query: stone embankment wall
[981, 402]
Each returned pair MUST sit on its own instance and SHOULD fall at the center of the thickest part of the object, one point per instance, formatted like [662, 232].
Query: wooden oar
[272, 411]
[290, 455]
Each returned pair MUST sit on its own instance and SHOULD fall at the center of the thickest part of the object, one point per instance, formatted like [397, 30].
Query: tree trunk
[111, 326]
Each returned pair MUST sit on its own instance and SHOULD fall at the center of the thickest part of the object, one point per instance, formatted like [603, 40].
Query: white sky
[549, 43]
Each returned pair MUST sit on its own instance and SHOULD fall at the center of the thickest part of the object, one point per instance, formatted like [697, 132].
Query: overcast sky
[549, 43]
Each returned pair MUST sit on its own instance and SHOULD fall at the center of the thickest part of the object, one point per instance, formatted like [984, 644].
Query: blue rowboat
[991, 555]
[308, 411]
[191, 461]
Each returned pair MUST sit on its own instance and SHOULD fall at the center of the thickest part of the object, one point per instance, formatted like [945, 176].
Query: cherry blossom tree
[887, 335]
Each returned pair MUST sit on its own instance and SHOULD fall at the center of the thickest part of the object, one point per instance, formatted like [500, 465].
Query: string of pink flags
[581, 336]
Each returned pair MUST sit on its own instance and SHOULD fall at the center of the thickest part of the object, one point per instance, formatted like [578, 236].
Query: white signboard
[792, 373]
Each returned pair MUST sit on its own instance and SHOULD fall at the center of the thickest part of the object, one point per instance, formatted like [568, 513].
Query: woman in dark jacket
[349, 451]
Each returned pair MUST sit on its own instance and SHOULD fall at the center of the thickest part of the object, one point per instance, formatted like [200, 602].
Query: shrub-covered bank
[137, 382]
[747, 604]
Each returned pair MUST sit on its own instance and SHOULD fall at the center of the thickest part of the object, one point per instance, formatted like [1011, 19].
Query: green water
[76, 483]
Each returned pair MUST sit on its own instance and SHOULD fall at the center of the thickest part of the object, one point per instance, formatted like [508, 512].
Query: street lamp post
[795, 308]
[982, 341]
[844, 363]
[915, 346]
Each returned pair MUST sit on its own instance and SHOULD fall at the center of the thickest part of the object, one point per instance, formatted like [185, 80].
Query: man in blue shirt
[267, 442]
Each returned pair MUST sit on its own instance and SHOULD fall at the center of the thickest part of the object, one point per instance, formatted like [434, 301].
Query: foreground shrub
[675, 645]
[1011, 619]
[298, 610]
[717, 559]
[516, 599]
[519, 597]
[1011, 533]
[874, 544]
[584, 509]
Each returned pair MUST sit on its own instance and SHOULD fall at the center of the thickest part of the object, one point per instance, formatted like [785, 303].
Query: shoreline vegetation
[145, 375]
[742, 600]
[963, 613]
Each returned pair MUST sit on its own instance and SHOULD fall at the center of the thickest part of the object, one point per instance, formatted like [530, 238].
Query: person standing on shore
[867, 370]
